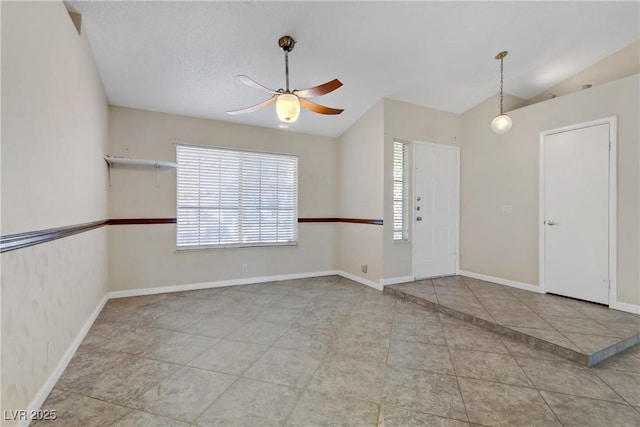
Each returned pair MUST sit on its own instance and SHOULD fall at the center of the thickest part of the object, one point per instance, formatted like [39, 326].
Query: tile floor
[323, 352]
[578, 330]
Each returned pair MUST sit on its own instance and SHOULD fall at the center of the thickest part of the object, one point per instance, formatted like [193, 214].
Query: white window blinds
[400, 190]
[235, 198]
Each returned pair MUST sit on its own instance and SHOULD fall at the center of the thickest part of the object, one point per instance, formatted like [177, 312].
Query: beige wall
[360, 195]
[54, 133]
[503, 169]
[410, 123]
[143, 256]
[623, 63]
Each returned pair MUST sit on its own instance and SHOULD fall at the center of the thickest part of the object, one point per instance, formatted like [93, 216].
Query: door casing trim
[613, 201]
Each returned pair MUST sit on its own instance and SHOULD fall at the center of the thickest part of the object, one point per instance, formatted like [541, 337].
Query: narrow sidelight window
[400, 191]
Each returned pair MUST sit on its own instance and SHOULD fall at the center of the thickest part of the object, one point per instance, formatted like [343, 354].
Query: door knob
[419, 218]
[551, 222]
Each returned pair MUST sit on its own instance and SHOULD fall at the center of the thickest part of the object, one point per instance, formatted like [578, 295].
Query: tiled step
[577, 330]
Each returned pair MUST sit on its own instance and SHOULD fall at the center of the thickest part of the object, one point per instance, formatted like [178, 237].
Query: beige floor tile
[520, 318]
[229, 357]
[566, 377]
[185, 395]
[424, 391]
[625, 384]
[361, 345]
[251, 403]
[104, 331]
[590, 344]
[354, 378]
[497, 404]
[284, 366]
[285, 315]
[579, 326]
[517, 348]
[119, 380]
[74, 410]
[465, 336]
[416, 355]
[215, 325]
[553, 337]
[414, 329]
[303, 339]
[580, 411]
[179, 347]
[135, 418]
[257, 332]
[336, 336]
[495, 367]
[316, 409]
[391, 416]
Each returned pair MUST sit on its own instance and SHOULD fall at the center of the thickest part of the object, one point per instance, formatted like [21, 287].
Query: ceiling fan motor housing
[286, 43]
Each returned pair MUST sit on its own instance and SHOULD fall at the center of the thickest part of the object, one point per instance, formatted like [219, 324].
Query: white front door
[435, 210]
[575, 197]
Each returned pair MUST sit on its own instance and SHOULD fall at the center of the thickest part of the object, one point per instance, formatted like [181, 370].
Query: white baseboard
[41, 396]
[623, 306]
[501, 281]
[218, 284]
[371, 283]
[396, 280]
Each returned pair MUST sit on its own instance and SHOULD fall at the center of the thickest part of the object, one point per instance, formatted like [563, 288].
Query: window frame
[181, 248]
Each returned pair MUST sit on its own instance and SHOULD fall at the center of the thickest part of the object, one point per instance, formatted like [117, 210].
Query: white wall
[361, 172]
[54, 134]
[410, 123]
[143, 256]
[503, 169]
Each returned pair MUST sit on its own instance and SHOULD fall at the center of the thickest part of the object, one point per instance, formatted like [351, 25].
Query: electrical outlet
[364, 268]
[245, 268]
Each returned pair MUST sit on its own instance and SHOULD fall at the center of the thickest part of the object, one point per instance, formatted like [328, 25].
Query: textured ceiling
[182, 57]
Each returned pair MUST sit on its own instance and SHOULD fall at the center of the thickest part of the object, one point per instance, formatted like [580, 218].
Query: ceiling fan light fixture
[288, 107]
[501, 123]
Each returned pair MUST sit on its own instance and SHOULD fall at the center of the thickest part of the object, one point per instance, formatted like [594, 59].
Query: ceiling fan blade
[254, 107]
[252, 83]
[319, 90]
[317, 108]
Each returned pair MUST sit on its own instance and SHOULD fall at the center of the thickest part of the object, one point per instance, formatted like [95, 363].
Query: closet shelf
[139, 162]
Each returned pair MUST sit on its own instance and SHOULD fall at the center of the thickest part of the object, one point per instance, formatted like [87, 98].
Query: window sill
[182, 250]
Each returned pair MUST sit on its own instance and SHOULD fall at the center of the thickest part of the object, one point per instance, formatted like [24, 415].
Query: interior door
[436, 210]
[576, 213]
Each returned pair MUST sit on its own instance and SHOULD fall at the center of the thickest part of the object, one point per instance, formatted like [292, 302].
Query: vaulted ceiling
[182, 57]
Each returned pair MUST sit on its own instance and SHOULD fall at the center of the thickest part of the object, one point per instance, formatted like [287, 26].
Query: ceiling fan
[288, 102]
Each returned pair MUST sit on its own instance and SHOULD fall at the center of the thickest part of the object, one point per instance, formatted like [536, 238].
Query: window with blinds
[232, 198]
[400, 191]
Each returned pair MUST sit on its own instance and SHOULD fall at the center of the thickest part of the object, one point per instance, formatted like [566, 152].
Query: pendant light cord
[501, 82]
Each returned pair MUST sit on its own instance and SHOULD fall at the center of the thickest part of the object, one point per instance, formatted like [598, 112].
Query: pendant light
[502, 122]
